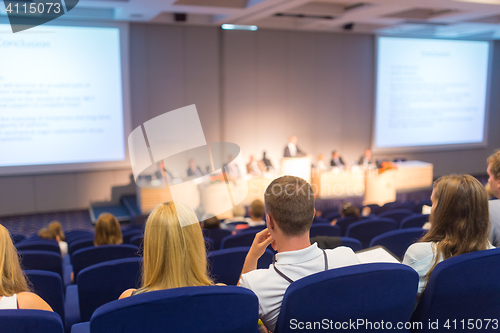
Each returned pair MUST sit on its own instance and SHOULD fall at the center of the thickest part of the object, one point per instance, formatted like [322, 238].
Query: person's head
[174, 249]
[192, 163]
[368, 153]
[239, 211]
[12, 278]
[494, 173]
[459, 216]
[56, 227]
[107, 230]
[348, 209]
[321, 157]
[251, 158]
[289, 202]
[263, 155]
[257, 210]
[292, 139]
[335, 154]
[46, 233]
[211, 223]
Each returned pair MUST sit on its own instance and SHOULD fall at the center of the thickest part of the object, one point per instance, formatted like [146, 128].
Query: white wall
[253, 89]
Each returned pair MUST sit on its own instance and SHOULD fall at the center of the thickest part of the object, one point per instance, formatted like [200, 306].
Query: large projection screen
[64, 98]
[431, 94]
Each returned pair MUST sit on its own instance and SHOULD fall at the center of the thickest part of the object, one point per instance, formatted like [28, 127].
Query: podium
[297, 166]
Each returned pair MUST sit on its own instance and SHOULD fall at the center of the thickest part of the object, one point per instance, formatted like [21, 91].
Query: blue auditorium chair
[80, 244]
[137, 240]
[217, 235]
[375, 209]
[209, 244]
[418, 207]
[320, 220]
[398, 241]
[331, 216]
[242, 239]
[324, 230]
[190, 309]
[397, 214]
[344, 222]
[105, 282]
[329, 210]
[75, 235]
[39, 245]
[371, 292]
[42, 260]
[462, 287]
[127, 234]
[353, 243]
[414, 221]
[86, 257]
[225, 265]
[28, 321]
[255, 228]
[16, 238]
[49, 286]
[366, 230]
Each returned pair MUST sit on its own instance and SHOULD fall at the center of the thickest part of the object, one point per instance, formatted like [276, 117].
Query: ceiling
[467, 19]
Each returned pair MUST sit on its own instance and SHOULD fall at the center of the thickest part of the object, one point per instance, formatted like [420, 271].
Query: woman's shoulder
[28, 300]
[420, 250]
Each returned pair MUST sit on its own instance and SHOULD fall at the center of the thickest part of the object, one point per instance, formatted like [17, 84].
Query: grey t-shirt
[495, 222]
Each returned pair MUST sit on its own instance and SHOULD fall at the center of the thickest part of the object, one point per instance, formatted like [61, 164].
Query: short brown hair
[494, 162]
[258, 209]
[107, 230]
[290, 202]
[46, 233]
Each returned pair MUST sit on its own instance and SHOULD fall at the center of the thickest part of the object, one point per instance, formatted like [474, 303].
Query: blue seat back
[244, 238]
[320, 220]
[418, 207]
[86, 257]
[344, 222]
[324, 230]
[127, 234]
[105, 282]
[137, 240]
[372, 292]
[414, 221]
[39, 245]
[375, 209]
[331, 216]
[76, 235]
[190, 309]
[397, 214]
[209, 244]
[225, 265]
[85, 242]
[49, 286]
[42, 260]
[366, 230]
[398, 241]
[28, 321]
[464, 286]
[217, 235]
[16, 238]
[353, 243]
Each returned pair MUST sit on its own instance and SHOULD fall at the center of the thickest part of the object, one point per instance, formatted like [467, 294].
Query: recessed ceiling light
[239, 27]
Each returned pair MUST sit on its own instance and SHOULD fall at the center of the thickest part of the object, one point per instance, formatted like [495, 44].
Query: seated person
[211, 223]
[266, 162]
[320, 163]
[46, 233]
[459, 224]
[256, 212]
[336, 160]
[238, 216]
[107, 230]
[493, 171]
[194, 171]
[289, 203]
[174, 251]
[14, 290]
[56, 227]
[366, 159]
[348, 209]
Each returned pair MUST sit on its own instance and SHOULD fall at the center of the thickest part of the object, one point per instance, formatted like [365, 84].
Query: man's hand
[260, 243]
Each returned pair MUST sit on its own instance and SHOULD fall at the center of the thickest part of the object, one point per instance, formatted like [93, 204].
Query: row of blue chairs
[461, 287]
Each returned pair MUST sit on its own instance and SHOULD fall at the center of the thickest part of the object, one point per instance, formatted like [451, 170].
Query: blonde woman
[14, 290]
[174, 250]
[107, 230]
[459, 224]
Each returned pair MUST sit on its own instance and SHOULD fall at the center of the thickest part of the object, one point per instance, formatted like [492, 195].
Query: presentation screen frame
[441, 147]
[127, 126]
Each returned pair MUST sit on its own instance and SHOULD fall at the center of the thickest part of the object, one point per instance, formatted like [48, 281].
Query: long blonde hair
[174, 249]
[107, 230]
[460, 219]
[12, 279]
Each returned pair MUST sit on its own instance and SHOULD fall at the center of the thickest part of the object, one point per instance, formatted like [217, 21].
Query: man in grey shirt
[494, 181]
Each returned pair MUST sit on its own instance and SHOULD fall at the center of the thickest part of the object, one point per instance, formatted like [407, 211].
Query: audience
[459, 224]
[54, 231]
[256, 212]
[494, 205]
[238, 216]
[347, 209]
[107, 230]
[211, 223]
[289, 203]
[14, 290]
[174, 250]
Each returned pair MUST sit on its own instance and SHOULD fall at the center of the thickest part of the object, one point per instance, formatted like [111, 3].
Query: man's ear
[270, 222]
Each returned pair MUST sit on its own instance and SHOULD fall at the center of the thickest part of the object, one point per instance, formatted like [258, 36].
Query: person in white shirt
[289, 203]
[291, 149]
[56, 227]
[459, 224]
[494, 182]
